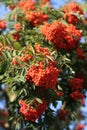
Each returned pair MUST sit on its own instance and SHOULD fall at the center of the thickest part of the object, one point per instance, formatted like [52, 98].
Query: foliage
[42, 61]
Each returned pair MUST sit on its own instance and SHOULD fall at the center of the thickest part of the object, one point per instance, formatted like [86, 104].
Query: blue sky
[58, 3]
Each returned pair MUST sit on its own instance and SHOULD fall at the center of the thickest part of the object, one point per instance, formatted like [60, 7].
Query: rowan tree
[43, 60]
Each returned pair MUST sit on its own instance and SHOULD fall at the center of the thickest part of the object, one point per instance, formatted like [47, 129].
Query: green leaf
[3, 67]
[17, 46]
[18, 126]
[50, 58]
[39, 100]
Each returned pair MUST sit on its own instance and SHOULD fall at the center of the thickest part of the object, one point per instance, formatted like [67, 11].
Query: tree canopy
[43, 60]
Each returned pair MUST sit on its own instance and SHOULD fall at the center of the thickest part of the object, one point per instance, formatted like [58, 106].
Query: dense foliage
[43, 60]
